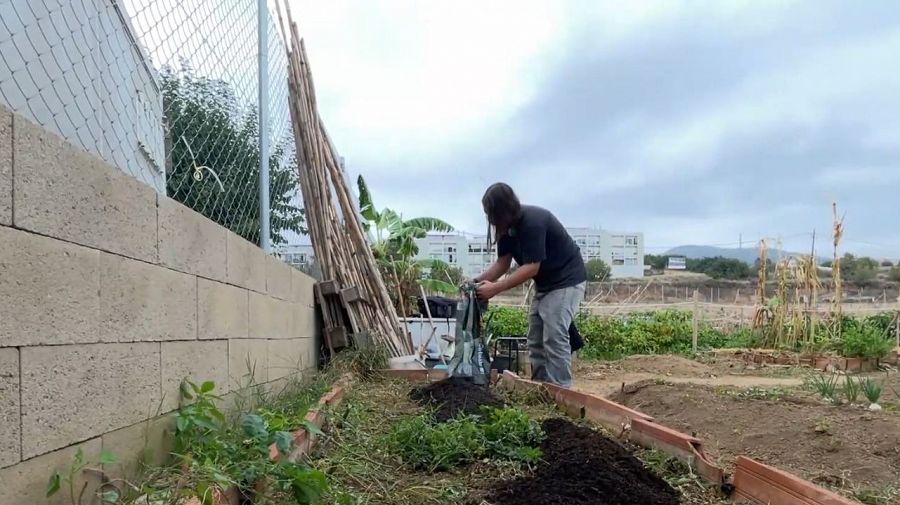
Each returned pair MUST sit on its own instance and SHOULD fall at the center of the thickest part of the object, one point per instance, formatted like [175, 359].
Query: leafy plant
[510, 434]
[68, 478]
[219, 454]
[872, 390]
[852, 389]
[507, 433]
[864, 341]
[826, 386]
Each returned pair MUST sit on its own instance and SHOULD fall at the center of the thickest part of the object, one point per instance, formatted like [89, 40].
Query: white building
[623, 252]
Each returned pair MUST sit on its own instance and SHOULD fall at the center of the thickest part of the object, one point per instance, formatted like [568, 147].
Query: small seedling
[852, 388]
[59, 479]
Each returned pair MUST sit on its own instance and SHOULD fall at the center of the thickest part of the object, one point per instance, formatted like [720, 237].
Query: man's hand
[487, 290]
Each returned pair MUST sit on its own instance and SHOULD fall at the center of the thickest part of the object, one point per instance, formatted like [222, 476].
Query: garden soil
[843, 446]
[454, 396]
[581, 466]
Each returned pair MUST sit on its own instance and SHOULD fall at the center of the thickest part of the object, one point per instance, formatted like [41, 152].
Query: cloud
[690, 122]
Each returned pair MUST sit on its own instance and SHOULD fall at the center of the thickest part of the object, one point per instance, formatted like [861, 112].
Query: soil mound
[582, 467]
[454, 396]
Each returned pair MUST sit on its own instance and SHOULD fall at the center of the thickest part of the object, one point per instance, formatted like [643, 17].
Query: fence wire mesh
[166, 90]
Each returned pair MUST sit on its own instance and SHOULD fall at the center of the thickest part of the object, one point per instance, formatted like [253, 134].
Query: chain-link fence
[166, 90]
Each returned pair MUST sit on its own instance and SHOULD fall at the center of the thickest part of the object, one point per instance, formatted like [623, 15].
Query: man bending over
[545, 252]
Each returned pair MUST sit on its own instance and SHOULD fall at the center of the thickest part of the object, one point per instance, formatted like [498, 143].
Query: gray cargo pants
[549, 318]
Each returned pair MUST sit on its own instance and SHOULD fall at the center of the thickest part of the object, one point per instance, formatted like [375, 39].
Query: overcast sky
[693, 122]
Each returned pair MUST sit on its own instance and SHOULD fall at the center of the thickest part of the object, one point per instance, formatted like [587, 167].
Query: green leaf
[110, 496]
[79, 457]
[438, 285]
[254, 426]
[429, 224]
[205, 422]
[53, 484]
[181, 423]
[283, 441]
[366, 206]
[207, 386]
[107, 458]
[312, 428]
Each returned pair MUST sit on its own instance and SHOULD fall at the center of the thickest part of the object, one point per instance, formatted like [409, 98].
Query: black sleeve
[533, 240]
[504, 246]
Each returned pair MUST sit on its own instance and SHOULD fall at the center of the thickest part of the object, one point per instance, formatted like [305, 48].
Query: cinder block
[49, 290]
[198, 361]
[138, 446]
[62, 191]
[302, 288]
[246, 263]
[10, 436]
[278, 278]
[286, 356]
[223, 310]
[74, 392]
[269, 317]
[189, 242]
[26, 483]
[144, 302]
[6, 121]
[303, 321]
[248, 363]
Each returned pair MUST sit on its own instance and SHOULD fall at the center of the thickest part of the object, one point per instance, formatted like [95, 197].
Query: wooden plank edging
[766, 485]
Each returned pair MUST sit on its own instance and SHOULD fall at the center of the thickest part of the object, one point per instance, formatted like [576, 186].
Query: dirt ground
[840, 446]
[606, 378]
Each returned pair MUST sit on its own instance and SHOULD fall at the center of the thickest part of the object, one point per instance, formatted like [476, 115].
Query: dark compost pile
[454, 396]
[581, 466]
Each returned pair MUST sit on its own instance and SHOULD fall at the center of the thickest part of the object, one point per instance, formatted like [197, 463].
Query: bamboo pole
[337, 235]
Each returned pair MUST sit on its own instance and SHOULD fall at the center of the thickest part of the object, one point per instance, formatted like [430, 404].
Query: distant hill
[746, 254]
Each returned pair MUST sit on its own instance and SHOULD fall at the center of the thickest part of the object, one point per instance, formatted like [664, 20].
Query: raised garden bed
[580, 463]
[844, 447]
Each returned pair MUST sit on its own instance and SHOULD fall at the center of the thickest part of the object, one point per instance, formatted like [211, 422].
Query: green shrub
[864, 341]
[670, 332]
[506, 321]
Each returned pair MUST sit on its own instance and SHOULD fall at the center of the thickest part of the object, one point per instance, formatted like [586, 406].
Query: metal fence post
[263, 60]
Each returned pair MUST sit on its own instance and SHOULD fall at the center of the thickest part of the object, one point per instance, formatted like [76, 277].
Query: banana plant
[393, 243]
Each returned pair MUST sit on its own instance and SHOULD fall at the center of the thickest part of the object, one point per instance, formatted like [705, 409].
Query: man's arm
[488, 289]
[495, 271]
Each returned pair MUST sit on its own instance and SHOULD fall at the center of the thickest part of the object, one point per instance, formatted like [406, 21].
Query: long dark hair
[502, 207]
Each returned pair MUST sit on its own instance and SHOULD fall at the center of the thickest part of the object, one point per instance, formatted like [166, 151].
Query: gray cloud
[697, 131]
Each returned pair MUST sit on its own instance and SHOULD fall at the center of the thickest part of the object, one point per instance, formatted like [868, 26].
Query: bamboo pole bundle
[334, 228]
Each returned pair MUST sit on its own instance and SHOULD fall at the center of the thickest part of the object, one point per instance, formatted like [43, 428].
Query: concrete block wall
[110, 295]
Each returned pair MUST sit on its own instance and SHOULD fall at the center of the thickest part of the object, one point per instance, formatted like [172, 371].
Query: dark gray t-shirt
[539, 237]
